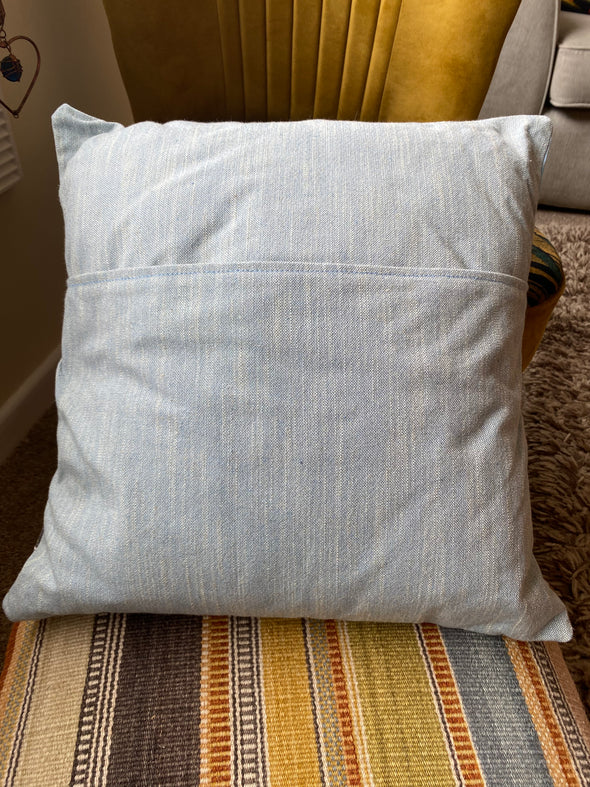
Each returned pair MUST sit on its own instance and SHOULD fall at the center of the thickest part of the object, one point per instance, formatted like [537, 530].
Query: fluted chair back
[257, 60]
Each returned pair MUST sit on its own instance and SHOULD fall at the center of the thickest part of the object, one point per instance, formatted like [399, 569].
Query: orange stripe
[15, 675]
[353, 773]
[216, 747]
[452, 706]
[357, 730]
[550, 736]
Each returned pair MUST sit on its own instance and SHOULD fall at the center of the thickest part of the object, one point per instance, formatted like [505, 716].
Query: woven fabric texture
[546, 277]
[579, 6]
[140, 699]
[291, 376]
[571, 73]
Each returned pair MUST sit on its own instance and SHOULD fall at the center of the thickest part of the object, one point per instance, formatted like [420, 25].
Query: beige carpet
[557, 417]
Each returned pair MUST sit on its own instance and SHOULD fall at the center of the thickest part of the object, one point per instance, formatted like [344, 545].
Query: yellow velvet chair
[369, 60]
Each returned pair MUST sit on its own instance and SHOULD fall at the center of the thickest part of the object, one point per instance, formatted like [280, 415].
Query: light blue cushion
[290, 382]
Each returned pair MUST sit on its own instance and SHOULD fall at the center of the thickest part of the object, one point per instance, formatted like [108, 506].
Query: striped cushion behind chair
[581, 6]
[546, 282]
[546, 277]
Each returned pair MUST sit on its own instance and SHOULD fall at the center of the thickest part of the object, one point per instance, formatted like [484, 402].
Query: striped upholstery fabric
[581, 6]
[546, 277]
[147, 700]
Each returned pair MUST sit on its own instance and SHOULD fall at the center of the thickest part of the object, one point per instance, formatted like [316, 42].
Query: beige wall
[78, 67]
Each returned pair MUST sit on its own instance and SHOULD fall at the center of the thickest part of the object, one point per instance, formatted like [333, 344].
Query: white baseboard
[27, 404]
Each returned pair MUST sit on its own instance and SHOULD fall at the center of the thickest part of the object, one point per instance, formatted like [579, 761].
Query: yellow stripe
[393, 684]
[59, 686]
[292, 749]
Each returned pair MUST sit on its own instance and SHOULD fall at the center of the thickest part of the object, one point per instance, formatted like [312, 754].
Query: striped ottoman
[157, 700]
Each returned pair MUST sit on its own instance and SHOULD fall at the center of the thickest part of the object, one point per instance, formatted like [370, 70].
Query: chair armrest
[521, 79]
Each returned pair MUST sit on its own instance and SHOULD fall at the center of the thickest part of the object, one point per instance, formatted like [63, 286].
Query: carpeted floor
[24, 481]
[557, 417]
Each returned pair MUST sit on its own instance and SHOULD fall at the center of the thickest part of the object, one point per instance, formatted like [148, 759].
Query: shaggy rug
[557, 418]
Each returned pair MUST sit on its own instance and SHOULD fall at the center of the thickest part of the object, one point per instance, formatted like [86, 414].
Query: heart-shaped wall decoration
[11, 70]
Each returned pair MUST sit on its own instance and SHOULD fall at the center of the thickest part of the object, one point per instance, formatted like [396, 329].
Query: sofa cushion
[291, 374]
[570, 83]
[567, 170]
[528, 52]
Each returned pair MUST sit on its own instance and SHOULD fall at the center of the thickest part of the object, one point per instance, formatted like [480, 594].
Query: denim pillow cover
[290, 382]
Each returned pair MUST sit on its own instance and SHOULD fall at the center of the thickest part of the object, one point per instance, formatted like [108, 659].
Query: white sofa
[545, 67]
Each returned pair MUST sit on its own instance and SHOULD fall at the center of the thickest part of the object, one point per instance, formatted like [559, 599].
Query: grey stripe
[313, 694]
[510, 752]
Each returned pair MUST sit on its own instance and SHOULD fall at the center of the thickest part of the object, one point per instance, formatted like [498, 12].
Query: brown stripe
[355, 706]
[155, 731]
[353, 773]
[450, 703]
[215, 703]
[555, 749]
[438, 704]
